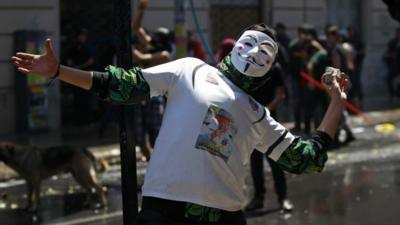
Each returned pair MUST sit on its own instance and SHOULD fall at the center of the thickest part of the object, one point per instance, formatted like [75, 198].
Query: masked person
[197, 170]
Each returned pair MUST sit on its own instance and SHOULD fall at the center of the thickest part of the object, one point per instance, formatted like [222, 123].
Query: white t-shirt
[209, 129]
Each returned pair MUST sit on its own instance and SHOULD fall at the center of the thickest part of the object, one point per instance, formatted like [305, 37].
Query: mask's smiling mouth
[251, 60]
[254, 53]
[254, 62]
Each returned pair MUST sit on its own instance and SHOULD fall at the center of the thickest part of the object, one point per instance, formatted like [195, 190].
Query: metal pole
[180, 29]
[261, 11]
[127, 133]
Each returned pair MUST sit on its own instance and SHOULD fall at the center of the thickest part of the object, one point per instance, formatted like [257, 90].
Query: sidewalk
[369, 118]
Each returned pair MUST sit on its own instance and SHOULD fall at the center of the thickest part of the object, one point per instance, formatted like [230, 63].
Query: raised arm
[337, 93]
[144, 38]
[309, 155]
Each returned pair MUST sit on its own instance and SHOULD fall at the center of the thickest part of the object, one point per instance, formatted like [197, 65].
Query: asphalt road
[360, 185]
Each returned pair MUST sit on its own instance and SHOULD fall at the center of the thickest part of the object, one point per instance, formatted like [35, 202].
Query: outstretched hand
[44, 65]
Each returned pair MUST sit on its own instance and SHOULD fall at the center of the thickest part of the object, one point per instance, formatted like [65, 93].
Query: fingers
[23, 55]
[344, 82]
[14, 59]
[22, 62]
[23, 70]
[326, 83]
[49, 47]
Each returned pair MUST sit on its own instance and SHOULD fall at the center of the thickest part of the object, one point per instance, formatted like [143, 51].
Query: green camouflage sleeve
[121, 86]
[306, 156]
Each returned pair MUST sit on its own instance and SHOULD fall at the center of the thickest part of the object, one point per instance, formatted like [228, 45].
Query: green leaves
[126, 87]
[303, 157]
[202, 213]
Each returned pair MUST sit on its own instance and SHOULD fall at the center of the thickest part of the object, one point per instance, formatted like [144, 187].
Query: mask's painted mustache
[251, 60]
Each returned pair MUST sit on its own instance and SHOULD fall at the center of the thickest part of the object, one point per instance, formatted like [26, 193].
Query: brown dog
[35, 164]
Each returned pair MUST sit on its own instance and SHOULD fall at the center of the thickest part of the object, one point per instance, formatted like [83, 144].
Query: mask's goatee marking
[247, 67]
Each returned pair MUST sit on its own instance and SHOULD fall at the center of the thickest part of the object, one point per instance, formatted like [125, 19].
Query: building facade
[218, 19]
[24, 15]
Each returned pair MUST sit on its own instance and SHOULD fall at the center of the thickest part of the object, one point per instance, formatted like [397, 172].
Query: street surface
[360, 185]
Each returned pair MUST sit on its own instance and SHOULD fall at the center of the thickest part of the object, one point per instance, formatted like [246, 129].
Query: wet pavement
[360, 185]
[362, 193]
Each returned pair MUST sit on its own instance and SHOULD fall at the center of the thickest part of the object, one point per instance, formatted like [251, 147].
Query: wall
[230, 17]
[378, 28]
[294, 13]
[16, 15]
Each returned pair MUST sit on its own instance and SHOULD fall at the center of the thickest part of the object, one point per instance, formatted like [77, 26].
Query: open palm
[44, 65]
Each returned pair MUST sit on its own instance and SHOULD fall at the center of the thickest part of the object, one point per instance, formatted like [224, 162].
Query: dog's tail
[101, 165]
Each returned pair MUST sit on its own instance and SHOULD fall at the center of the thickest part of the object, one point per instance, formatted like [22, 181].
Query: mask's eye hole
[248, 44]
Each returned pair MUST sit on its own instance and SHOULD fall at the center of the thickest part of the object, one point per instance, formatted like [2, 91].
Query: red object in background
[349, 106]
[197, 50]
[225, 48]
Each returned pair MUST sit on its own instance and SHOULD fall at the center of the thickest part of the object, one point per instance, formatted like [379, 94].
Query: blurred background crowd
[359, 37]
[307, 47]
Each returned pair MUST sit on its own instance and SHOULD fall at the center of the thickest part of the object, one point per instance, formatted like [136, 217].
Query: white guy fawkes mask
[254, 53]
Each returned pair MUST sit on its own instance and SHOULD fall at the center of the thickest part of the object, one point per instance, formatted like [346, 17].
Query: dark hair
[161, 40]
[83, 31]
[262, 28]
[280, 25]
[333, 30]
[305, 28]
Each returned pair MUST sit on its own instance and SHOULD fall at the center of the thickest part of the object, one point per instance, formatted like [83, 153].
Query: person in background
[281, 36]
[284, 41]
[316, 67]
[391, 58]
[150, 50]
[298, 55]
[82, 56]
[315, 50]
[358, 58]
[271, 94]
[225, 48]
[195, 48]
[338, 58]
[350, 52]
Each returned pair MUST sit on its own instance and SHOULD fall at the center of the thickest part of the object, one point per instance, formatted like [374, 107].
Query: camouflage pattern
[202, 213]
[240, 80]
[303, 156]
[126, 86]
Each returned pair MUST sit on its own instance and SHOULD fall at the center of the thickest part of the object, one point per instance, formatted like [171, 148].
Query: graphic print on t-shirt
[217, 132]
